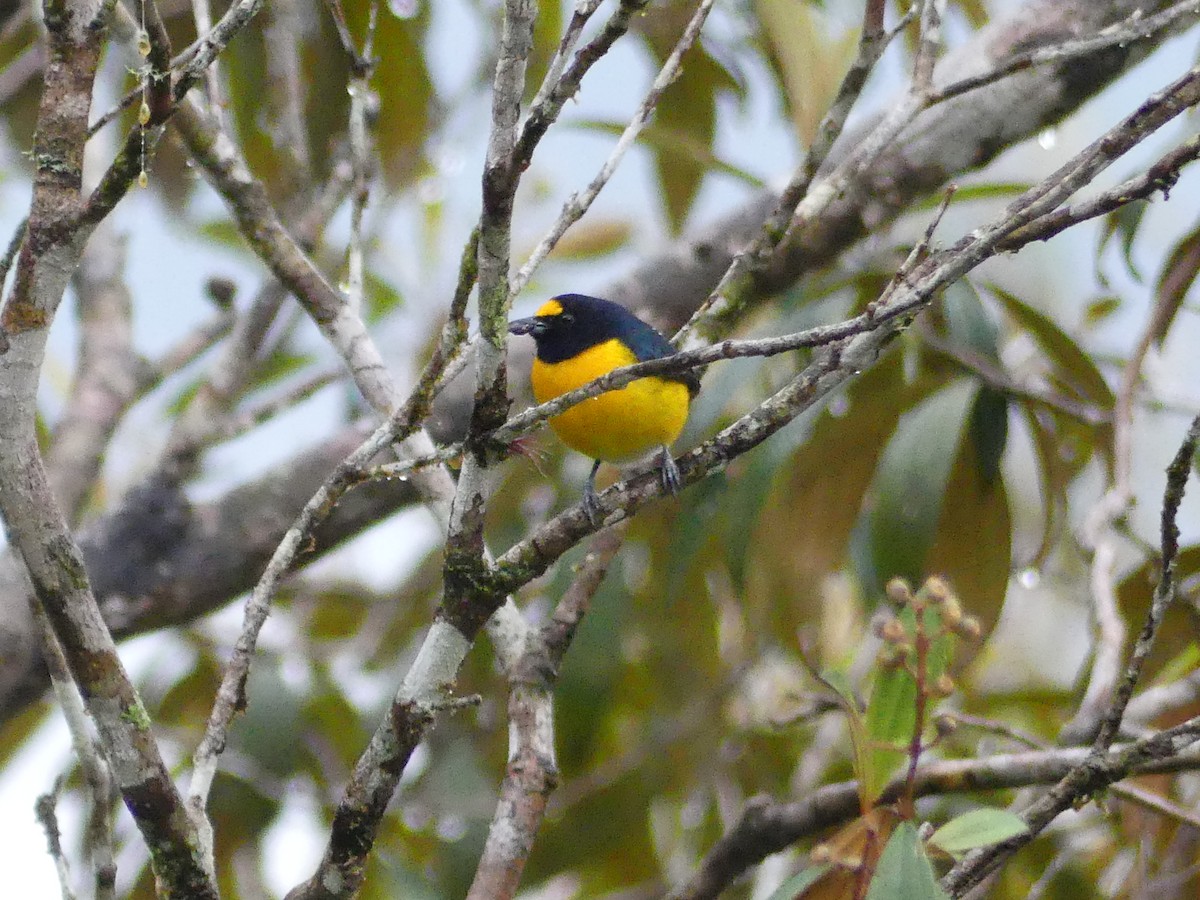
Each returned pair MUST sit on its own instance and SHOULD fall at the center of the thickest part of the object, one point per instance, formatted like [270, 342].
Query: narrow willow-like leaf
[977, 828]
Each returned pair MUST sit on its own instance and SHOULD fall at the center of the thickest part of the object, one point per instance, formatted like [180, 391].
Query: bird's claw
[591, 503]
[668, 472]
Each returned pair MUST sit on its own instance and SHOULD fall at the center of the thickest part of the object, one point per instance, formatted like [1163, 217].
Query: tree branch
[766, 827]
[532, 772]
[1101, 767]
[36, 525]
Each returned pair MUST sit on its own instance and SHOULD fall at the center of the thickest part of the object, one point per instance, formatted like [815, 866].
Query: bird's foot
[591, 503]
[668, 472]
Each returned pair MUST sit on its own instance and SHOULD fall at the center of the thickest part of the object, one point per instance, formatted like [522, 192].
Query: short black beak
[524, 326]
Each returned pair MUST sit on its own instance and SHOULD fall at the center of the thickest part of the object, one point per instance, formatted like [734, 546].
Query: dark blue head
[569, 324]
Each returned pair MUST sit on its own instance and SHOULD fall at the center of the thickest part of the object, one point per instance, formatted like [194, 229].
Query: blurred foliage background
[683, 694]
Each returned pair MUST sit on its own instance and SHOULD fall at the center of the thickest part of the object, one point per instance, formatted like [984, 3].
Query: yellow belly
[619, 425]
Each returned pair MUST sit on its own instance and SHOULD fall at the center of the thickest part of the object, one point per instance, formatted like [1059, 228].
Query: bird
[578, 339]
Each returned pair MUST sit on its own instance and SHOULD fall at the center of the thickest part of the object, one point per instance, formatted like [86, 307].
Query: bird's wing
[647, 344]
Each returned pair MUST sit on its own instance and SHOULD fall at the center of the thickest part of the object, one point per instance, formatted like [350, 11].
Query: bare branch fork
[795, 205]
[729, 296]
[376, 775]
[453, 631]
[561, 83]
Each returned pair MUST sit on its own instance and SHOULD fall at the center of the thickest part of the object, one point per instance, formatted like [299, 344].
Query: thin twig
[1163, 699]
[364, 104]
[995, 377]
[724, 300]
[543, 112]
[96, 772]
[1096, 771]
[1161, 175]
[552, 81]
[36, 527]
[204, 421]
[463, 610]
[766, 827]
[1164, 591]
[578, 204]
[44, 808]
[285, 113]
[106, 380]
[186, 351]
[551, 98]
[231, 696]
[1136, 27]
[1146, 799]
[838, 363]
[255, 414]
[205, 50]
[1101, 528]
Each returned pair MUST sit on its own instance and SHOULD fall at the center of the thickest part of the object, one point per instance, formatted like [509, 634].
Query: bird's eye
[566, 318]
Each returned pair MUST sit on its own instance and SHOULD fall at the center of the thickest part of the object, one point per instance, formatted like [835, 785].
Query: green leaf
[687, 113]
[547, 33]
[808, 56]
[184, 703]
[1100, 309]
[968, 193]
[831, 471]
[1181, 664]
[989, 432]
[801, 881]
[279, 365]
[269, 733]
[1177, 632]
[967, 321]
[1125, 222]
[1076, 368]
[860, 742]
[223, 232]
[593, 238]
[977, 828]
[20, 727]
[183, 399]
[976, 11]
[381, 298]
[905, 501]
[970, 328]
[755, 488]
[904, 871]
[974, 536]
[407, 96]
[1177, 276]
[337, 615]
[670, 144]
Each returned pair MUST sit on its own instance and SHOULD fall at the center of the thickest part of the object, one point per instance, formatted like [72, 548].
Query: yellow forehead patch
[549, 308]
